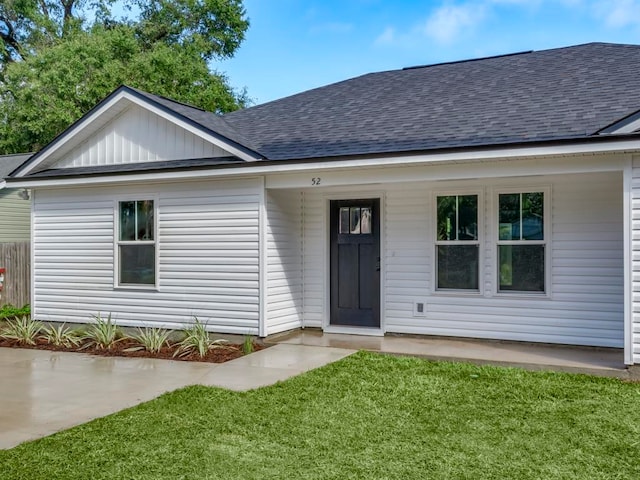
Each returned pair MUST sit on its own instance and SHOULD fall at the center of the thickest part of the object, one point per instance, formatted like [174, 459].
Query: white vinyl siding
[284, 261]
[208, 247]
[314, 261]
[586, 302]
[15, 217]
[136, 136]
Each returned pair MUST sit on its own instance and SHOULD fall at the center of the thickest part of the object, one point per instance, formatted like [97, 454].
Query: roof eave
[549, 148]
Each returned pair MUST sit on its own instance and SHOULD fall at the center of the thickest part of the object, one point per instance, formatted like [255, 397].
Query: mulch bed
[220, 354]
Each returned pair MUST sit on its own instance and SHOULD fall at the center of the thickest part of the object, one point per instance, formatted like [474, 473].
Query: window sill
[457, 293]
[523, 295]
[146, 288]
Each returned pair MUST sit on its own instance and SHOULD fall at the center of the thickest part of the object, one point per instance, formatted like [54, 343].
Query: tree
[56, 66]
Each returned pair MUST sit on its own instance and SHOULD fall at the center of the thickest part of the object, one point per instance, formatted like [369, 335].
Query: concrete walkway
[44, 392]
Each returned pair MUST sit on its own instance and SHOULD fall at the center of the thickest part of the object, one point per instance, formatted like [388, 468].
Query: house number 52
[315, 181]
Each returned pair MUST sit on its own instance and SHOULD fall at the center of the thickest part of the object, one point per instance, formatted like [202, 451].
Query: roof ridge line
[467, 60]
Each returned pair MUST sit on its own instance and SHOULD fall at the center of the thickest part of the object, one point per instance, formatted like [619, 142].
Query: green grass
[368, 416]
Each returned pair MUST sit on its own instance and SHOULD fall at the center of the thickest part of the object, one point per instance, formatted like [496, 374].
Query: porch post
[627, 188]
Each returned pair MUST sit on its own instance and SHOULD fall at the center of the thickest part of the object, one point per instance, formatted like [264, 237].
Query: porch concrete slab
[43, 392]
[598, 361]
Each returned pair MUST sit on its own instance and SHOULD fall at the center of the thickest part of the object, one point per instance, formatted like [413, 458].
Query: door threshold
[369, 332]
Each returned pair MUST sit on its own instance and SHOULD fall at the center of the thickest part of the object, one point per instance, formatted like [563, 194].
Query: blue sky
[295, 45]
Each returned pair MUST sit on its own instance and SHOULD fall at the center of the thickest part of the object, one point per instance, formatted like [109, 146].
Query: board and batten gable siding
[15, 217]
[585, 305]
[284, 260]
[208, 247]
[138, 135]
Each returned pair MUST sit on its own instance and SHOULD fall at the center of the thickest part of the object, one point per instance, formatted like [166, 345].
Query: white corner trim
[627, 201]
[263, 316]
[32, 255]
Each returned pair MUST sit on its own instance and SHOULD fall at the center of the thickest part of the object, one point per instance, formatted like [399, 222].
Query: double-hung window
[457, 242]
[521, 242]
[136, 243]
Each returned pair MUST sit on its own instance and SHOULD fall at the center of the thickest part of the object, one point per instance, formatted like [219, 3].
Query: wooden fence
[15, 258]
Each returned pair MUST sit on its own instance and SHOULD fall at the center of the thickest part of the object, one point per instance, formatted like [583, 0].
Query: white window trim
[435, 242]
[116, 242]
[547, 242]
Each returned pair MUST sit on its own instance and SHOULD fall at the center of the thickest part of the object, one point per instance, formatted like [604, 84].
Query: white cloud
[387, 37]
[619, 13]
[448, 21]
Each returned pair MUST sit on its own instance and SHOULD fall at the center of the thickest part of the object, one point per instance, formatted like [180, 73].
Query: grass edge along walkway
[366, 416]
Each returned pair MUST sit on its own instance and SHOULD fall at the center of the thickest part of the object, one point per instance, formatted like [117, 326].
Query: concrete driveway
[44, 392]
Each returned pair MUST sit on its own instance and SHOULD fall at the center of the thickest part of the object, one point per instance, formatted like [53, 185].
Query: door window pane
[355, 220]
[521, 268]
[138, 264]
[458, 267]
[365, 220]
[344, 220]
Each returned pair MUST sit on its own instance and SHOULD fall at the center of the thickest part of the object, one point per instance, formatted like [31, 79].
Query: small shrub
[247, 345]
[23, 330]
[10, 312]
[61, 336]
[103, 334]
[150, 339]
[196, 339]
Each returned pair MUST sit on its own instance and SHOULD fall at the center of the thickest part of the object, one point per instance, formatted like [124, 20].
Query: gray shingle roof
[563, 93]
[8, 163]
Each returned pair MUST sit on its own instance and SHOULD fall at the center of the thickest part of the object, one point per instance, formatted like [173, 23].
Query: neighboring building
[15, 208]
[492, 198]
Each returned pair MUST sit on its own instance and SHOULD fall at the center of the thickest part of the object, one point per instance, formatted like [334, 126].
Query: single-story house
[494, 198]
[15, 208]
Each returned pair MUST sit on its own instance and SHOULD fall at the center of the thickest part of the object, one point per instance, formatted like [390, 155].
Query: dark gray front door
[355, 262]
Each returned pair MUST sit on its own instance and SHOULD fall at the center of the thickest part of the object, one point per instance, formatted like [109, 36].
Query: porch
[600, 361]
[575, 295]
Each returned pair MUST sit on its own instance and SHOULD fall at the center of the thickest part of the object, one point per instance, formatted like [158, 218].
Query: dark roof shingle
[563, 93]
[8, 163]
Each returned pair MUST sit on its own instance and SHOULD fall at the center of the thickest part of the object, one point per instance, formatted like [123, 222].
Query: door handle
[378, 264]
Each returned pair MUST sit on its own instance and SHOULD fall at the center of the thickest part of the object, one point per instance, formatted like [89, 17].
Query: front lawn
[368, 416]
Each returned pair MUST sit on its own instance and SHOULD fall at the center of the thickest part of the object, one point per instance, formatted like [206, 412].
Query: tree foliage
[56, 65]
